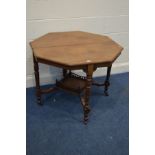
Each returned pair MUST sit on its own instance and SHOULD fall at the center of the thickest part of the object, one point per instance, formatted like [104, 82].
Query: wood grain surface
[76, 48]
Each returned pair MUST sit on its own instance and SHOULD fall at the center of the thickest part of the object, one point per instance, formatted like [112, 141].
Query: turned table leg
[36, 72]
[86, 106]
[107, 83]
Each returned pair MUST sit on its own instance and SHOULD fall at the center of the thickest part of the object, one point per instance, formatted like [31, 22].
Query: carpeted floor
[57, 129]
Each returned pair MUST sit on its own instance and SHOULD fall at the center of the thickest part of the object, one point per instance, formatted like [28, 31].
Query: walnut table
[72, 51]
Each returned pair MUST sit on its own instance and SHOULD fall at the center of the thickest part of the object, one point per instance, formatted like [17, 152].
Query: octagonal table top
[76, 48]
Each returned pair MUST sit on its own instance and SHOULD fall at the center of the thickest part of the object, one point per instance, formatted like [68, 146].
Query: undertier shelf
[73, 83]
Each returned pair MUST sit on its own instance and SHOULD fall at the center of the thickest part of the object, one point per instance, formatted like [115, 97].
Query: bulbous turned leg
[86, 112]
[107, 83]
[36, 72]
[86, 106]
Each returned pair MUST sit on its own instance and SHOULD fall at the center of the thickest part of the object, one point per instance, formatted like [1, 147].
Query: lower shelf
[73, 83]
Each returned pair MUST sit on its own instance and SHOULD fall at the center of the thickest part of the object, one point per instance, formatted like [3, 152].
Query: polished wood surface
[71, 51]
[76, 48]
[67, 38]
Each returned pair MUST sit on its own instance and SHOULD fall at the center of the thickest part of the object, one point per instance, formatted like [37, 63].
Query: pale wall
[108, 17]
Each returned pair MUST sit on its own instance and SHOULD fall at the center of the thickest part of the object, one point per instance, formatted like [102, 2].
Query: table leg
[36, 72]
[86, 106]
[64, 72]
[107, 83]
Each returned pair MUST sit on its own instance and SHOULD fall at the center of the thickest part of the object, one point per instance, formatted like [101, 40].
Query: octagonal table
[72, 51]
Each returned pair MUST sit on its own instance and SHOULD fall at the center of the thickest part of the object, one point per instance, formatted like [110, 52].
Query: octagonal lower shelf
[73, 83]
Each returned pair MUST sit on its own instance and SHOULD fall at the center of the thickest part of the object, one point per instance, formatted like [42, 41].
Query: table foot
[86, 114]
[86, 109]
[39, 101]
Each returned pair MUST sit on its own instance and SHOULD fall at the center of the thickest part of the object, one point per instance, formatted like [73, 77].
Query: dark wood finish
[40, 91]
[107, 83]
[72, 51]
[72, 82]
[64, 72]
[37, 80]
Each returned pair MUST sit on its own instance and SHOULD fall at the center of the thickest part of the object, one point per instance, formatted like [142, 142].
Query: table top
[76, 48]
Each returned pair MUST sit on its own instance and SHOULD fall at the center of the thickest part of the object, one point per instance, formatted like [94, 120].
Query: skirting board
[50, 79]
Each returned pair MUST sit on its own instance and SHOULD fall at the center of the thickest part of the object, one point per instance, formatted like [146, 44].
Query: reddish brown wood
[72, 51]
[72, 82]
[76, 48]
[86, 106]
